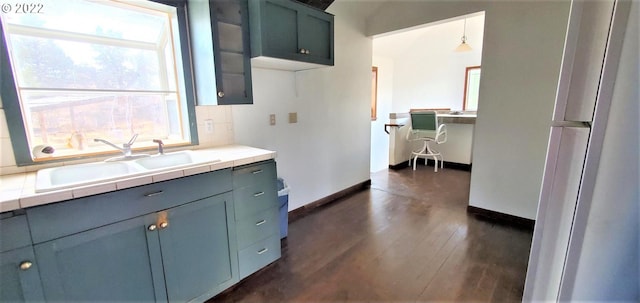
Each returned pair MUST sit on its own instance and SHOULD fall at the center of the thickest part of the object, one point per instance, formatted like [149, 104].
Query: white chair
[425, 129]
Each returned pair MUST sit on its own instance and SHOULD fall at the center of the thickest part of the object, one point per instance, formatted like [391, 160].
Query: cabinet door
[19, 277]
[315, 36]
[289, 30]
[280, 29]
[232, 51]
[108, 264]
[197, 245]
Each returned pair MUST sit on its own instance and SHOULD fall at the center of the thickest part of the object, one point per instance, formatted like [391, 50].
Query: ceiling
[449, 32]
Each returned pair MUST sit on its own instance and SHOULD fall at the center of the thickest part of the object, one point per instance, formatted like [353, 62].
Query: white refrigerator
[594, 39]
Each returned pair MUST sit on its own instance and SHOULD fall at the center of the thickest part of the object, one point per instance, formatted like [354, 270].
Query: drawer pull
[257, 171]
[164, 225]
[258, 194]
[154, 193]
[263, 221]
[152, 227]
[262, 251]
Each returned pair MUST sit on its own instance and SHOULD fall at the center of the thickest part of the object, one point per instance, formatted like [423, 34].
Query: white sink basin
[169, 160]
[74, 175]
[62, 177]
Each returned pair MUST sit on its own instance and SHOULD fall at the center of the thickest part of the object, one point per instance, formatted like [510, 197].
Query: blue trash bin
[283, 198]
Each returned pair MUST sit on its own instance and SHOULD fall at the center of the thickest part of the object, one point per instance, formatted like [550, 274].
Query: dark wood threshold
[503, 218]
[430, 162]
[305, 210]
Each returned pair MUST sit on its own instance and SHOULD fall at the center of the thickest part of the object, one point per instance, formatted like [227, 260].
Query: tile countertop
[18, 191]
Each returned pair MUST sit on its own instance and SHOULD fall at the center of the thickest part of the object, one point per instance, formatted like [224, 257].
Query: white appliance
[590, 60]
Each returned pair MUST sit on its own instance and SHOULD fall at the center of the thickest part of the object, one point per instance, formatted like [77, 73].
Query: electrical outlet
[208, 125]
[293, 117]
[272, 119]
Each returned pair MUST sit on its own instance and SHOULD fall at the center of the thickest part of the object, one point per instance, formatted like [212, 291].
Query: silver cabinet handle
[154, 193]
[152, 227]
[307, 52]
[262, 251]
[257, 171]
[303, 51]
[258, 194]
[220, 94]
[263, 221]
[164, 225]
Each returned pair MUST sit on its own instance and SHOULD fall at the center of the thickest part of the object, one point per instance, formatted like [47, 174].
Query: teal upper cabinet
[221, 51]
[229, 24]
[289, 35]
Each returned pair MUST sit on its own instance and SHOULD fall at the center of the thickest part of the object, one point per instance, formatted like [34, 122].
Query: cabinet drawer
[258, 255]
[14, 233]
[64, 218]
[256, 173]
[250, 200]
[257, 227]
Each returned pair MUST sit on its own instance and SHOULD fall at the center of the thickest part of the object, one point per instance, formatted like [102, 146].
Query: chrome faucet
[160, 146]
[126, 147]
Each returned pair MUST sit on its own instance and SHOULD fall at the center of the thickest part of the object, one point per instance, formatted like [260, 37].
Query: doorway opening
[419, 68]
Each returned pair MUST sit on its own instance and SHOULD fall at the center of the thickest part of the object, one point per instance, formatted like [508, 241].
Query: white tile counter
[18, 191]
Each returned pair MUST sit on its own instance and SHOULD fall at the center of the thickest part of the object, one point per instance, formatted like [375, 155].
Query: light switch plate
[293, 117]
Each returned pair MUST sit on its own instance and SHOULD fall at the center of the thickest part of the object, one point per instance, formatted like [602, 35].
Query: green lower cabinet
[259, 255]
[257, 216]
[19, 278]
[178, 255]
[197, 246]
[110, 263]
[144, 244]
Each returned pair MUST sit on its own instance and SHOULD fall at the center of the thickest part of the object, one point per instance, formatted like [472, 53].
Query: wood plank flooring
[407, 239]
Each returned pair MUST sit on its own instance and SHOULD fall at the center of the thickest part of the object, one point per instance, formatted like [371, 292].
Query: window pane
[96, 18]
[73, 120]
[68, 64]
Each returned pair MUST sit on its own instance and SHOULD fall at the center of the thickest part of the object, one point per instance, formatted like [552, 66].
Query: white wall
[380, 139]
[328, 149]
[428, 73]
[522, 49]
[608, 267]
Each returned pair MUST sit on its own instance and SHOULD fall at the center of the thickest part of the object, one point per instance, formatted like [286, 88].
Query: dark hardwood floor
[407, 239]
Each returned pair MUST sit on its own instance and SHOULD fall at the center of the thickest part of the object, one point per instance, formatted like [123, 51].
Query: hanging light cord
[464, 31]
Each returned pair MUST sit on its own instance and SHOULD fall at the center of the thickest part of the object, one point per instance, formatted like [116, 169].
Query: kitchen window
[80, 70]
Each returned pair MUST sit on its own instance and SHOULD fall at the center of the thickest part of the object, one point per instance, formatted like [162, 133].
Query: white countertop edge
[456, 116]
[20, 191]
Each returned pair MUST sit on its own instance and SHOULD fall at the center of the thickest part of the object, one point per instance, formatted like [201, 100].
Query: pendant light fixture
[464, 47]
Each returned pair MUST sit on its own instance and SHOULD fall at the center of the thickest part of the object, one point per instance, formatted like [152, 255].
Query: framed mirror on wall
[471, 88]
